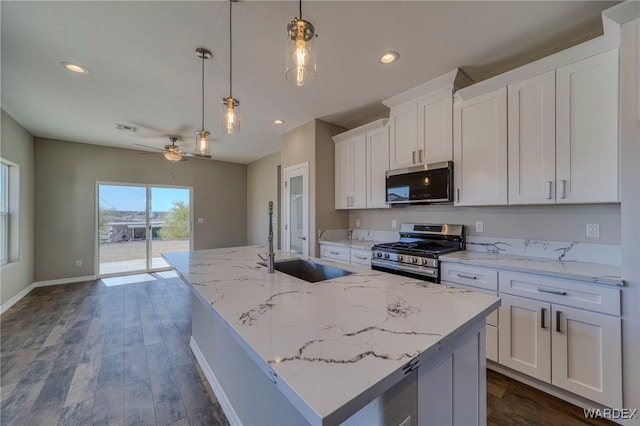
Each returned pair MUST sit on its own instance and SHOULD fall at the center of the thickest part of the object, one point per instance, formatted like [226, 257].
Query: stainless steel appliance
[426, 184]
[416, 253]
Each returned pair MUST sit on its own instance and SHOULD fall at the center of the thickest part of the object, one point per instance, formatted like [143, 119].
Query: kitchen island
[367, 348]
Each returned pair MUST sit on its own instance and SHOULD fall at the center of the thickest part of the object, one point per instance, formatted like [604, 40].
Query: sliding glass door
[136, 223]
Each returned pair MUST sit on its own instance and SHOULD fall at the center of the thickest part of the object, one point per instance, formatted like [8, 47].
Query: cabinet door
[587, 130]
[359, 173]
[524, 336]
[532, 140]
[480, 149]
[587, 354]
[435, 127]
[344, 179]
[404, 136]
[377, 165]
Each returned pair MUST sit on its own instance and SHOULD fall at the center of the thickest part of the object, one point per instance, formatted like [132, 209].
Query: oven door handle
[415, 270]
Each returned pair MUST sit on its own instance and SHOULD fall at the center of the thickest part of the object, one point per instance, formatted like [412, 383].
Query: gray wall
[65, 182]
[312, 142]
[16, 145]
[262, 187]
[555, 223]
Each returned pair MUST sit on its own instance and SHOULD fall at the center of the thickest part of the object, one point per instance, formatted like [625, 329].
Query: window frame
[5, 212]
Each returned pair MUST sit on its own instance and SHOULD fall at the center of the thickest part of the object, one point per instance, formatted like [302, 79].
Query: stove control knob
[378, 254]
[414, 260]
[386, 255]
[400, 257]
[424, 261]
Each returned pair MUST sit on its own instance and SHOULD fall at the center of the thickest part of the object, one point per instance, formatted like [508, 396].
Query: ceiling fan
[174, 152]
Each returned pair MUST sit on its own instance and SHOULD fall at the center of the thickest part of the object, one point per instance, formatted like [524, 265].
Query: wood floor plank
[19, 403]
[77, 414]
[200, 409]
[108, 408]
[135, 356]
[138, 404]
[50, 402]
[166, 394]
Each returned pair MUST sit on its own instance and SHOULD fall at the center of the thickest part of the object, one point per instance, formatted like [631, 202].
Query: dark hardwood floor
[81, 354]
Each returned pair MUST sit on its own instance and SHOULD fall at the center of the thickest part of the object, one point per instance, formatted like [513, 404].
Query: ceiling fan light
[172, 156]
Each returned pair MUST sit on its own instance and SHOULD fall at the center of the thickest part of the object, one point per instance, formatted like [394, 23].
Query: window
[4, 213]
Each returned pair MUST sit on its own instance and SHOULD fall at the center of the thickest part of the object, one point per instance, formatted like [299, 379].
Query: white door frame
[301, 169]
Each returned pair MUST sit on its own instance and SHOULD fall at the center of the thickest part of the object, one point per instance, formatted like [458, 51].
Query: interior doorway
[135, 224]
[296, 209]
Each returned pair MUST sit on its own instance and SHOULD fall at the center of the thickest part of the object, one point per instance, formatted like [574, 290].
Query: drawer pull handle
[557, 292]
[467, 276]
[558, 314]
[543, 314]
[335, 252]
[360, 257]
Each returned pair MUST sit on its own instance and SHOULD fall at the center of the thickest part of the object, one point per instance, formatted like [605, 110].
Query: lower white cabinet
[481, 280]
[547, 338]
[360, 256]
[345, 254]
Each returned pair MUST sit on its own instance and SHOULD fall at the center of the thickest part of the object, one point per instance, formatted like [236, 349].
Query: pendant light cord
[203, 57]
[301, 10]
[231, 51]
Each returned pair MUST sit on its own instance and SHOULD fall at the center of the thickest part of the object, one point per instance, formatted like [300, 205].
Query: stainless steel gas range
[416, 253]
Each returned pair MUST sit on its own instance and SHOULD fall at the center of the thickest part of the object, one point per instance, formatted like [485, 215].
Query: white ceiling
[143, 70]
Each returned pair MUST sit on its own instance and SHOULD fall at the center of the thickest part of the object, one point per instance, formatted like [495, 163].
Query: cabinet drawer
[361, 257]
[561, 291]
[492, 318]
[473, 276]
[334, 252]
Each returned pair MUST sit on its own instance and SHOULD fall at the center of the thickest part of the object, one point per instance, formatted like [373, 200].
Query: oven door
[426, 184]
[418, 272]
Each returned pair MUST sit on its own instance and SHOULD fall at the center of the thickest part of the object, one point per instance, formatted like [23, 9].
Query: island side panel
[452, 386]
[251, 397]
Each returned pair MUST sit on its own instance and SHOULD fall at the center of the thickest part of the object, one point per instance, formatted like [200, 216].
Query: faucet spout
[271, 254]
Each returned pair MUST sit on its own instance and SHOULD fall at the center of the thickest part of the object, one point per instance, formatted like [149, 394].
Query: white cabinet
[563, 137]
[361, 256]
[421, 120]
[350, 157]
[481, 280]
[361, 160]
[587, 130]
[532, 140]
[345, 254]
[377, 165]
[480, 149]
[555, 335]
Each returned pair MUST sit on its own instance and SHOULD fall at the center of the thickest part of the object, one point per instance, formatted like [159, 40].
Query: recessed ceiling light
[389, 57]
[78, 69]
[278, 121]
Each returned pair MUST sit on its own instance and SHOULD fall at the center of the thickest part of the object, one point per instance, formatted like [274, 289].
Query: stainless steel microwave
[426, 184]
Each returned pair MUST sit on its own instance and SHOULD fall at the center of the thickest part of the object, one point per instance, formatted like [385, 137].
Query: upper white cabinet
[563, 137]
[420, 122]
[532, 140]
[480, 149]
[587, 130]
[361, 159]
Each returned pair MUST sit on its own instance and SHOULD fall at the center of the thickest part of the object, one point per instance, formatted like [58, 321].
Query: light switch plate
[357, 223]
[479, 226]
[394, 223]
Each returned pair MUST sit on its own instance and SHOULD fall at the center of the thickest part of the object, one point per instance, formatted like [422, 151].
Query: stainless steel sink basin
[309, 271]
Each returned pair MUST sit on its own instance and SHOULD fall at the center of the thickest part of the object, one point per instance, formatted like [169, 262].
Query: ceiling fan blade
[150, 147]
[194, 155]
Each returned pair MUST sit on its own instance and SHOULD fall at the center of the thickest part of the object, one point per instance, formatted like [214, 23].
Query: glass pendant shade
[230, 115]
[202, 143]
[301, 52]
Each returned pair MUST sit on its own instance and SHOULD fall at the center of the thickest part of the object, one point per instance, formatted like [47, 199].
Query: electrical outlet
[78, 263]
[357, 223]
[593, 230]
[479, 226]
[201, 220]
[394, 223]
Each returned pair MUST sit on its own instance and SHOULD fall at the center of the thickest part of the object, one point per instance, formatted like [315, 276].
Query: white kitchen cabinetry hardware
[480, 149]
[481, 280]
[563, 141]
[420, 122]
[361, 159]
[564, 333]
[587, 130]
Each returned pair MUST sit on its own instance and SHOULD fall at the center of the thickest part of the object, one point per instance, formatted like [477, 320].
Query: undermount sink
[309, 271]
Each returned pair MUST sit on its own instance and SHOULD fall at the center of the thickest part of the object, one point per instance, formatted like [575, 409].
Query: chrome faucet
[270, 263]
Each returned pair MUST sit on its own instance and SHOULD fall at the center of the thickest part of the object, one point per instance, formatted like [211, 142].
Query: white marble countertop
[331, 346]
[594, 273]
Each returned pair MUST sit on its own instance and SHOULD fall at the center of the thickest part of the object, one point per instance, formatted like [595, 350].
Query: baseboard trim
[15, 299]
[227, 408]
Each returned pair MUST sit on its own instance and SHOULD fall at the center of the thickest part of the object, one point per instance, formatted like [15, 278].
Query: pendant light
[301, 59]
[230, 113]
[202, 144]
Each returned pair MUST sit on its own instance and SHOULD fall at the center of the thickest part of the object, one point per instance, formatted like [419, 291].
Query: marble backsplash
[357, 235]
[566, 251]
